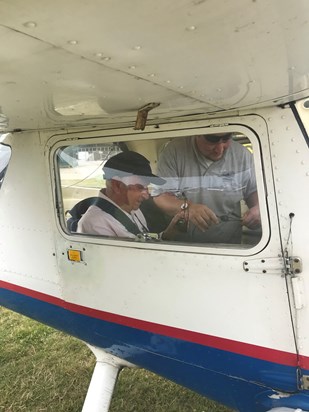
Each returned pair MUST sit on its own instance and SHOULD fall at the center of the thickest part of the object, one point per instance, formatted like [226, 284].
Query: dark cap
[130, 164]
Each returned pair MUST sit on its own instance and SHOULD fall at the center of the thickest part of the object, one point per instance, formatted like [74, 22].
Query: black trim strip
[299, 122]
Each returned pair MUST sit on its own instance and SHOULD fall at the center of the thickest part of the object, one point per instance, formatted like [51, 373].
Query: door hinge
[265, 265]
[293, 265]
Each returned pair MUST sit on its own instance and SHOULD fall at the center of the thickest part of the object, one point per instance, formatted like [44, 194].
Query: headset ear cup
[72, 224]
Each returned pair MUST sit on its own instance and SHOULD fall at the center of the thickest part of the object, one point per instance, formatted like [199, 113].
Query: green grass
[42, 369]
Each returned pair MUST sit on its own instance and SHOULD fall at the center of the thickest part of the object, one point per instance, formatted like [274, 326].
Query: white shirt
[97, 222]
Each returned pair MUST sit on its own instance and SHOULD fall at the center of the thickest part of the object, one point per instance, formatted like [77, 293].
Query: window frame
[170, 132]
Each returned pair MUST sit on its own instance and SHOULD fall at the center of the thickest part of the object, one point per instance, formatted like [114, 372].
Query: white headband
[131, 180]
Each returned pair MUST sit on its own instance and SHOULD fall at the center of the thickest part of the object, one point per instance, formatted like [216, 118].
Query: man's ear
[117, 186]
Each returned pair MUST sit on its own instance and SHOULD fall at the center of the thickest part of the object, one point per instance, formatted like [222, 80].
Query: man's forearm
[169, 203]
[252, 200]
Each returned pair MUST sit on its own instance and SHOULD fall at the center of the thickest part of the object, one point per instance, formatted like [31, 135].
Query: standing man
[210, 174]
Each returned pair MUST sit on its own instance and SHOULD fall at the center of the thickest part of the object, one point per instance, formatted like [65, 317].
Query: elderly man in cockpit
[116, 211]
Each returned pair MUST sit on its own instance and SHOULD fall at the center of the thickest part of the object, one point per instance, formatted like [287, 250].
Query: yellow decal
[75, 255]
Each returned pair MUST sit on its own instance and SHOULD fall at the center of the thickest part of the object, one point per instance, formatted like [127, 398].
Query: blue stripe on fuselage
[233, 379]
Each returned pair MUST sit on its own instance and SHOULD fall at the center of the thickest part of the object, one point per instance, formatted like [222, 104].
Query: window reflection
[208, 196]
[5, 155]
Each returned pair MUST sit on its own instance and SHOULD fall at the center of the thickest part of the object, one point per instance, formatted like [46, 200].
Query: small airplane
[83, 81]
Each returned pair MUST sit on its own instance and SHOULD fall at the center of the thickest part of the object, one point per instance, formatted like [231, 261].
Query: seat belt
[118, 214]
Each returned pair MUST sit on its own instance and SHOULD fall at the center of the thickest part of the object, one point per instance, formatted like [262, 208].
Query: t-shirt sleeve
[168, 170]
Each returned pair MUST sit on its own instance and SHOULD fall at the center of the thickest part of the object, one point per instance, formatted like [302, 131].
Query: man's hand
[201, 216]
[252, 218]
[171, 230]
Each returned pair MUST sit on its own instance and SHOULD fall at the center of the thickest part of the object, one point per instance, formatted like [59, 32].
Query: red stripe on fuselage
[253, 351]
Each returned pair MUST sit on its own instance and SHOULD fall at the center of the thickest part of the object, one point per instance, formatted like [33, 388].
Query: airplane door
[204, 312]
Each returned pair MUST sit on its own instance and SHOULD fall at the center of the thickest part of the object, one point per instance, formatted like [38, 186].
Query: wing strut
[104, 378]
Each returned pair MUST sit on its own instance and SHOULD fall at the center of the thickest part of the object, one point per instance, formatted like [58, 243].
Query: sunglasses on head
[216, 139]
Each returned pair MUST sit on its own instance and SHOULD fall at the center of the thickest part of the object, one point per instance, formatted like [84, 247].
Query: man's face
[213, 147]
[134, 191]
[136, 194]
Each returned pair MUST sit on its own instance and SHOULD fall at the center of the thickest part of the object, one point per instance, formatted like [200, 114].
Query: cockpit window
[80, 170]
[197, 190]
[5, 155]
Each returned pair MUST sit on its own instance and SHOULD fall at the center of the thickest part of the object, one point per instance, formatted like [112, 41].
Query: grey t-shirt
[220, 185]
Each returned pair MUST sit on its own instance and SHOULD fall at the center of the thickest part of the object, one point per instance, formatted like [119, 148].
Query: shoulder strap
[117, 214]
